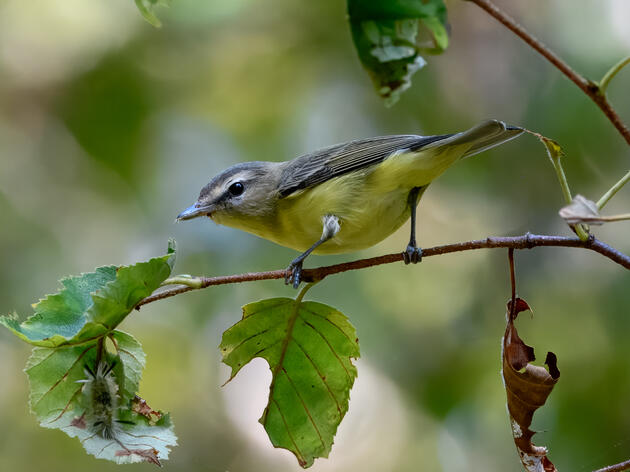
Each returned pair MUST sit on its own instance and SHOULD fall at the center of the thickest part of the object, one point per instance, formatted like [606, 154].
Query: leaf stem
[306, 288]
[612, 191]
[526, 241]
[512, 282]
[555, 153]
[614, 70]
[580, 229]
[562, 178]
[187, 280]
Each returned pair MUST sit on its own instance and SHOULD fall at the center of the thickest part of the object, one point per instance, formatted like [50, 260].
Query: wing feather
[322, 165]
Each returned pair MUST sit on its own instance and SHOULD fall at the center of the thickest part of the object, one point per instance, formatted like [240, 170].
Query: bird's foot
[412, 255]
[293, 274]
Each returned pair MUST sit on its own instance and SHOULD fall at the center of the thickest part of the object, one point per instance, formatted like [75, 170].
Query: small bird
[342, 198]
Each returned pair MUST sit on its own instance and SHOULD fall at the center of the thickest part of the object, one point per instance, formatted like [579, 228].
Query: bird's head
[241, 192]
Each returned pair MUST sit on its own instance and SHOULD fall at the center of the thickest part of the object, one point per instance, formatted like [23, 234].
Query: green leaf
[309, 347]
[91, 305]
[84, 374]
[147, 8]
[386, 34]
[59, 397]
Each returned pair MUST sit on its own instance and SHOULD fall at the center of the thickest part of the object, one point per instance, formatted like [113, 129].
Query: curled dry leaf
[583, 210]
[527, 387]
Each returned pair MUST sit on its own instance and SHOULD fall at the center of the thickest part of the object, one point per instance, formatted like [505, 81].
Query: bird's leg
[413, 254]
[293, 274]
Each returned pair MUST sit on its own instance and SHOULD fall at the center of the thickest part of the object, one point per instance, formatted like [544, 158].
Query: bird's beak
[193, 212]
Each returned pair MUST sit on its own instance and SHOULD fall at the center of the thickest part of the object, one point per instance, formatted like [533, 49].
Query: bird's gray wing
[322, 165]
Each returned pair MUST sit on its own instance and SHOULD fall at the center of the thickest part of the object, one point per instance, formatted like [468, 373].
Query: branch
[527, 241]
[590, 88]
[616, 468]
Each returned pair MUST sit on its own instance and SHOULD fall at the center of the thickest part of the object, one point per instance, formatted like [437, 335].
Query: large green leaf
[309, 347]
[386, 34]
[91, 305]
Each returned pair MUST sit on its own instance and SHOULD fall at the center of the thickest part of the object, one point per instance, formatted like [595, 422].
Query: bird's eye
[236, 189]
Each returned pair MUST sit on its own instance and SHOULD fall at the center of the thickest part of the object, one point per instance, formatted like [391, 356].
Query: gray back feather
[322, 165]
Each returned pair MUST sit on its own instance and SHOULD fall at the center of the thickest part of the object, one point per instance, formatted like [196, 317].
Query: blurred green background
[109, 127]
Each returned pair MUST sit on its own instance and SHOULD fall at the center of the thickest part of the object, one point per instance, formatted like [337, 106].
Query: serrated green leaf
[62, 314]
[309, 347]
[58, 398]
[91, 305]
[386, 36]
[132, 363]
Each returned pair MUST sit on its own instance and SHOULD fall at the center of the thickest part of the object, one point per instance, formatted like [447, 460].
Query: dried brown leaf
[141, 407]
[527, 390]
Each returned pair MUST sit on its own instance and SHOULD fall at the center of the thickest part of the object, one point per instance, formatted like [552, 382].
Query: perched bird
[341, 198]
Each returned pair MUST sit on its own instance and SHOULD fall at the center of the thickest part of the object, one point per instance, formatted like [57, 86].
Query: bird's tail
[484, 136]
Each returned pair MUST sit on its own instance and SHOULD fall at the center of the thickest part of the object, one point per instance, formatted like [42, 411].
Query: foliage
[387, 36]
[308, 347]
[71, 331]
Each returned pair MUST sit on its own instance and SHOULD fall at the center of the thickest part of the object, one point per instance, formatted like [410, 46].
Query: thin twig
[616, 468]
[614, 70]
[512, 282]
[527, 241]
[589, 87]
[613, 190]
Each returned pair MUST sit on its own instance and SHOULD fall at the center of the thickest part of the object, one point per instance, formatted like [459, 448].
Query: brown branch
[527, 241]
[616, 468]
[589, 87]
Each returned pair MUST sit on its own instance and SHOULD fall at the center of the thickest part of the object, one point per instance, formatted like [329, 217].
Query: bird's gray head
[241, 192]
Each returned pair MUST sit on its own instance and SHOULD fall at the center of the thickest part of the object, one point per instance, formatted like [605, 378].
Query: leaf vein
[322, 377]
[64, 375]
[125, 351]
[297, 449]
[330, 321]
[285, 344]
[274, 344]
[308, 412]
[251, 337]
[331, 348]
[65, 408]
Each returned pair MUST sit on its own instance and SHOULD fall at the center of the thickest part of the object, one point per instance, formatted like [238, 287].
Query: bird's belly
[368, 224]
[366, 217]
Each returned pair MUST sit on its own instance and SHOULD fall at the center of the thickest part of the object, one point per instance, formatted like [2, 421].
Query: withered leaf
[140, 406]
[527, 390]
[583, 210]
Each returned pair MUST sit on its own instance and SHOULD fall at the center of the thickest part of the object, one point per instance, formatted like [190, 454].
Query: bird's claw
[293, 274]
[412, 255]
